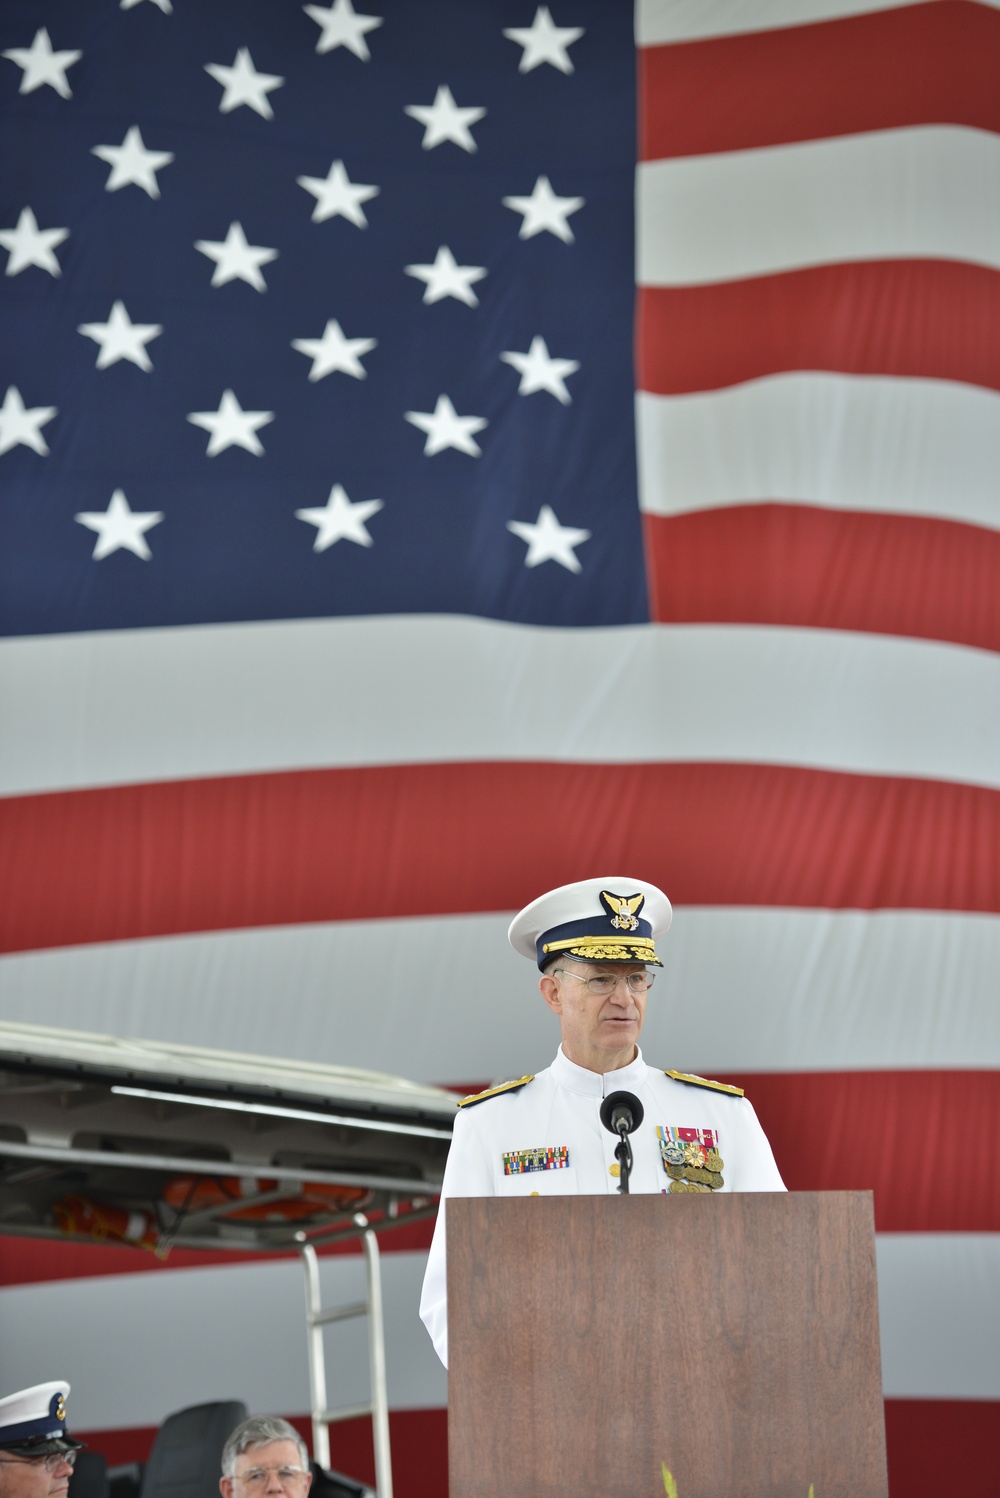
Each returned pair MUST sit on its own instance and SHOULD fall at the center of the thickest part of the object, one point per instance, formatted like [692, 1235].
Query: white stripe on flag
[928, 192]
[939, 1314]
[172, 1339]
[908, 447]
[146, 705]
[658, 21]
[788, 990]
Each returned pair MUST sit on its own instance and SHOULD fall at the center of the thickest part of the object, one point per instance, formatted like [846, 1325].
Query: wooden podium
[732, 1339]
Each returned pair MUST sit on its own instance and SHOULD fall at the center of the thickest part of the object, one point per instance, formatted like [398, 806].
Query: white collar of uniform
[591, 1083]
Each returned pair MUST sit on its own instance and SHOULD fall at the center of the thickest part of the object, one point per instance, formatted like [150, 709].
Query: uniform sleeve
[753, 1166]
[467, 1173]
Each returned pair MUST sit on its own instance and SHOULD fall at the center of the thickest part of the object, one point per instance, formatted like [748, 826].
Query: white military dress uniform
[546, 1138]
[543, 1136]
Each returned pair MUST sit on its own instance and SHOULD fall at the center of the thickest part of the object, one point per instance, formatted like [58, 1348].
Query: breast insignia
[480, 1097]
[684, 1076]
[545, 1157]
[691, 1158]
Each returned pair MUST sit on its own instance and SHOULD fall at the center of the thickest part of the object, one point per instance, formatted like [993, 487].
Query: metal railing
[318, 1317]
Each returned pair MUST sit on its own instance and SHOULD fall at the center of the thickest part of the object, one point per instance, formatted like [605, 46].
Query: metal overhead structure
[164, 1146]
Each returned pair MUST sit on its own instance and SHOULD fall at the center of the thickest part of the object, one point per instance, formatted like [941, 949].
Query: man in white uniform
[595, 945]
[37, 1452]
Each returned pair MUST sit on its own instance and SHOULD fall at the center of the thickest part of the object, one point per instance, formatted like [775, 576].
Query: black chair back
[90, 1476]
[329, 1484]
[186, 1459]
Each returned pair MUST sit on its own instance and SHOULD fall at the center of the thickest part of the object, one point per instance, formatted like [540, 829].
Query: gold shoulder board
[480, 1097]
[684, 1076]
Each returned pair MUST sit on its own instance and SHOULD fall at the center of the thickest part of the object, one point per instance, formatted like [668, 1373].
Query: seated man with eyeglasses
[263, 1458]
[595, 945]
[36, 1450]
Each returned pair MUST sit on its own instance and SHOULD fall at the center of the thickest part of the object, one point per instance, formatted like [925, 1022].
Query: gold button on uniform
[534, 1193]
[615, 1169]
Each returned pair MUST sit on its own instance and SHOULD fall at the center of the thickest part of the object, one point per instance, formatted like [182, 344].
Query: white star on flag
[543, 210]
[340, 520]
[539, 371]
[164, 5]
[446, 278]
[120, 338]
[21, 424]
[333, 353]
[119, 527]
[235, 260]
[132, 164]
[544, 41]
[242, 84]
[445, 428]
[548, 541]
[337, 194]
[342, 26]
[30, 245]
[42, 65]
[444, 120]
[231, 426]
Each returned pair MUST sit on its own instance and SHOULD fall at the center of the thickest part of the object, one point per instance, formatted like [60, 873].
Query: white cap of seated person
[37, 1452]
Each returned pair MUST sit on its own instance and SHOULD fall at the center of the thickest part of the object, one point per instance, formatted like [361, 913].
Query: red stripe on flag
[121, 1447]
[33, 1261]
[933, 1446]
[927, 1143]
[419, 1441]
[912, 65]
[354, 844]
[916, 1139]
[800, 565]
[933, 319]
[946, 1446]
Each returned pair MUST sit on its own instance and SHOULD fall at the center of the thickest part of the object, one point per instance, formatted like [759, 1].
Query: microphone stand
[620, 1113]
[623, 1154]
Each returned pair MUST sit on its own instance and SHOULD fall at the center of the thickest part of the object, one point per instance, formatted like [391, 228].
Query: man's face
[269, 1456]
[29, 1477]
[599, 1031]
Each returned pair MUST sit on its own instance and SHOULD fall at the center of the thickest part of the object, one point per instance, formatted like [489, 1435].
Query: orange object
[78, 1214]
[195, 1193]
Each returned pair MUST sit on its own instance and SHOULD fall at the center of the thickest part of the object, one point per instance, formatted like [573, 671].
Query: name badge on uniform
[691, 1158]
[547, 1157]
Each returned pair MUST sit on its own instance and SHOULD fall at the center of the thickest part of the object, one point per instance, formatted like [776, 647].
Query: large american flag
[421, 486]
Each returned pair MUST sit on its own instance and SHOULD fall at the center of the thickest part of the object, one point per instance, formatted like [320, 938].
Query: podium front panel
[731, 1339]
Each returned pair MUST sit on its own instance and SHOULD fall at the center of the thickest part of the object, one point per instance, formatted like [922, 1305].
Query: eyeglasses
[604, 984]
[50, 1461]
[256, 1477]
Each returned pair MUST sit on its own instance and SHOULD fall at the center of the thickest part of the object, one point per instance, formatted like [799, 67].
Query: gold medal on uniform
[691, 1158]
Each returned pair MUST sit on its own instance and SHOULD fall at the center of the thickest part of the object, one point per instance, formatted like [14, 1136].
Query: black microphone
[621, 1113]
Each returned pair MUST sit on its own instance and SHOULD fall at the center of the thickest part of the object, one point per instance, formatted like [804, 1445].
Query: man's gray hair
[257, 1431]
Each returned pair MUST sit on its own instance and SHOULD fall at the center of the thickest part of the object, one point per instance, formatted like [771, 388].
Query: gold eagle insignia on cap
[60, 1409]
[625, 908]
